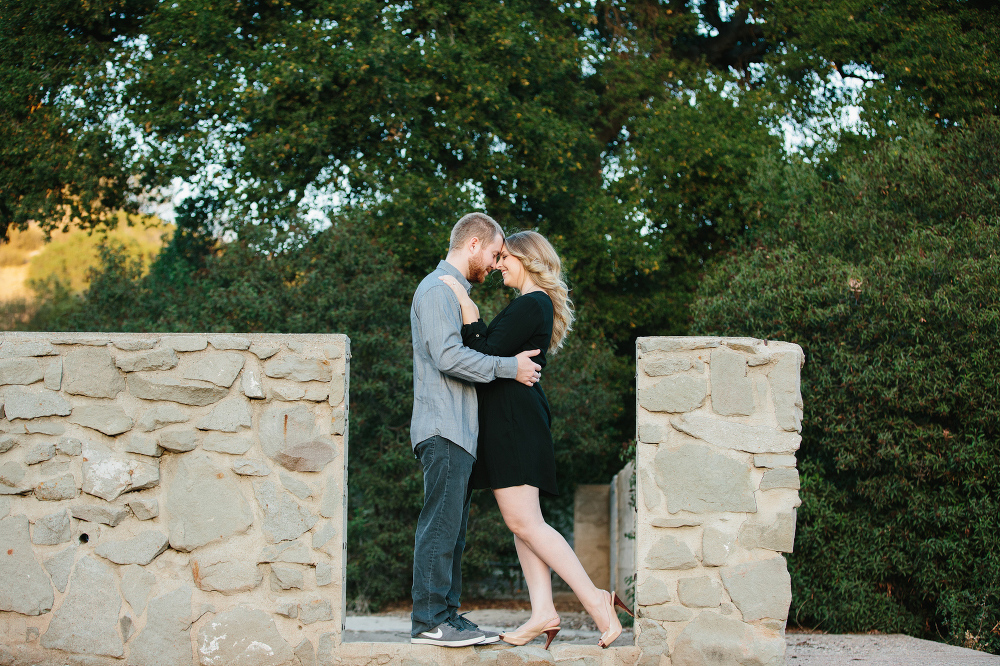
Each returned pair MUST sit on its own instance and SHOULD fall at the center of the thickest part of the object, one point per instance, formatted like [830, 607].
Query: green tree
[887, 276]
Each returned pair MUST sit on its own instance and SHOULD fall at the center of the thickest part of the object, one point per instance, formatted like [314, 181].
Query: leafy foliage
[888, 277]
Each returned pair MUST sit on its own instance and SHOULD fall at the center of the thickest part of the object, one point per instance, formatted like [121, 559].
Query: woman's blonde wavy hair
[539, 258]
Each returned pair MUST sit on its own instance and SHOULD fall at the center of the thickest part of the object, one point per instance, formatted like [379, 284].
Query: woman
[515, 456]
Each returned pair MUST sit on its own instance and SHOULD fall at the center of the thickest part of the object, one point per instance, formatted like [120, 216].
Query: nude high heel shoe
[550, 628]
[614, 629]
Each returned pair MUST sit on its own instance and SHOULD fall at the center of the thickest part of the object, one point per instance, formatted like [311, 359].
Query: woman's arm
[511, 330]
[470, 311]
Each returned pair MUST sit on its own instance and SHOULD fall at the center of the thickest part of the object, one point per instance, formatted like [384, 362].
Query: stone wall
[172, 499]
[718, 426]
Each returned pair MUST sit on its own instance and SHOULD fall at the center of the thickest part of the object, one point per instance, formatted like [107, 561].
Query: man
[445, 429]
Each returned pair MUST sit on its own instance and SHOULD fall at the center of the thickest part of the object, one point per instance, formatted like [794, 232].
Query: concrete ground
[804, 649]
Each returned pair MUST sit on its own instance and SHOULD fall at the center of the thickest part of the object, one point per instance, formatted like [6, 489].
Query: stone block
[324, 574]
[178, 441]
[135, 345]
[251, 384]
[317, 392]
[286, 392]
[87, 621]
[676, 344]
[676, 394]
[84, 342]
[154, 386]
[234, 445]
[44, 427]
[227, 576]
[671, 522]
[696, 479]
[109, 419]
[21, 348]
[144, 508]
[651, 495]
[299, 368]
[784, 379]
[667, 613]
[141, 549]
[7, 442]
[12, 479]
[338, 421]
[285, 577]
[296, 487]
[204, 504]
[716, 546]
[242, 637]
[780, 478]
[250, 467]
[699, 592]
[295, 552]
[284, 518]
[305, 653]
[220, 368]
[69, 446]
[91, 372]
[654, 592]
[650, 433]
[228, 416]
[106, 514]
[21, 371]
[52, 529]
[157, 359]
[107, 474]
[668, 552]
[772, 460]
[39, 453]
[287, 608]
[55, 490]
[225, 342]
[333, 496]
[667, 366]
[713, 639]
[59, 567]
[145, 445]
[288, 436]
[778, 536]
[737, 436]
[322, 535]
[137, 585]
[315, 610]
[650, 634]
[166, 638]
[160, 416]
[33, 403]
[732, 390]
[24, 587]
[526, 655]
[185, 343]
[759, 589]
[264, 351]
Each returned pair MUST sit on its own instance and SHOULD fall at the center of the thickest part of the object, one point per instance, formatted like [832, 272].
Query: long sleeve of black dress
[509, 331]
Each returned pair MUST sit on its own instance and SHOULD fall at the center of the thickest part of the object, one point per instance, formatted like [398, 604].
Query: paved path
[803, 649]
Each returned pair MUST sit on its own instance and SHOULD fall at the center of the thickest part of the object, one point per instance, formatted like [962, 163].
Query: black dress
[515, 438]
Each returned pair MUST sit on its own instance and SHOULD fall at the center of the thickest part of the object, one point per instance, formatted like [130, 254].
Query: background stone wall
[718, 423]
[172, 499]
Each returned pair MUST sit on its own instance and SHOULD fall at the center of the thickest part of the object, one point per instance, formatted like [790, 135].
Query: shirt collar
[454, 272]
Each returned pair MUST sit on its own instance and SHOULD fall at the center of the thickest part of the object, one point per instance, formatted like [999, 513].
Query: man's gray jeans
[440, 537]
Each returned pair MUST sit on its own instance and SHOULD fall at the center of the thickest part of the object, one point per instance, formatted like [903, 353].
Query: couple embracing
[481, 420]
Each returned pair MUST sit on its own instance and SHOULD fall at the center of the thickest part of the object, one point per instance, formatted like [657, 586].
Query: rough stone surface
[145, 508]
[145, 445]
[699, 592]
[24, 587]
[7, 442]
[39, 453]
[158, 359]
[166, 638]
[32, 403]
[287, 392]
[772, 460]
[135, 345]
[227, 577]
[228, 416]
[338, 421]
[178, 441]
[305, 653]
[22, 371]
[716, 546]
[284, 518]
[650, 433]
[53, 374]
[670, 366]
[713, 640]
[107, 474]
[668, 613]
[223, 342]
[299, 368]
[109, 419]
[160, 416]
[738, 436]
[59, 567]
[288, 436]
[287, 608]
[91, 372]
[44, 427]
[223, 443]
[70, 446]
[324, 574]
[732, 390]
[220, 368]
[668, 552]
[251, 384]
[250, 467]
[87, 620]
[54, 490]
[654, 592]
[185, 343]
[694, 478]
[242, 637]
[20, 348]
[137, 584]
[784, 379]
[12, 479]
[780, 478]
[284, 577]
[141, 549]
[154, 386]
[323, 534]
[296, 487]
[296, 552]
[204, 503]
[759, 589]
[675, 344]
[683, 521]
[52, 529]
[315, 610]
[264, 351]
[679, 393]
[778, 536]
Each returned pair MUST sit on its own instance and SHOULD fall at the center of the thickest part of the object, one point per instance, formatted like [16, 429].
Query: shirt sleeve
[440, 319]
[514, 327]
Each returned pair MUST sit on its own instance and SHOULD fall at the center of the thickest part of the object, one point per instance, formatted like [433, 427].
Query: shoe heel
[549, 635]
[621, 604]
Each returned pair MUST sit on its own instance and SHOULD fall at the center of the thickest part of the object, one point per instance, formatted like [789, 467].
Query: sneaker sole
[437, 641]
[489, 639]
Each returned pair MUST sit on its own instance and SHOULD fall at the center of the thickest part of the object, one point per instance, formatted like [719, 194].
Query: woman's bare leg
[538, 576]
[547, 548]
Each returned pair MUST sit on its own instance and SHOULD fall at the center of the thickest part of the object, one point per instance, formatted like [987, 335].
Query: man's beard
[478, 269]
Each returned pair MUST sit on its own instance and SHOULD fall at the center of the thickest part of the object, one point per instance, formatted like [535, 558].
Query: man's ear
[474, 244]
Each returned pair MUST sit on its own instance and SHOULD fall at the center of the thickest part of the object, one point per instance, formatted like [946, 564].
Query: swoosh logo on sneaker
[437, 634]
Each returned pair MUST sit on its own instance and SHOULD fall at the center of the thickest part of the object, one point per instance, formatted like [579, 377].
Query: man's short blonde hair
[474, 225]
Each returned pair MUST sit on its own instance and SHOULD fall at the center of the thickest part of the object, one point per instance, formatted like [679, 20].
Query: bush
[887, 272]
